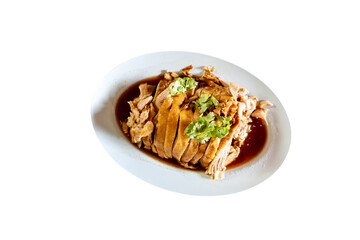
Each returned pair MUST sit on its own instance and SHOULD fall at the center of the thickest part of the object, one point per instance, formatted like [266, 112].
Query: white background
[56, 180]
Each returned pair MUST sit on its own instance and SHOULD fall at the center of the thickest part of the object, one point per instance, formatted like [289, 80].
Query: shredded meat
[260, 111]
[138, 121]
[137, 133]
[143, 102]
[186, 70]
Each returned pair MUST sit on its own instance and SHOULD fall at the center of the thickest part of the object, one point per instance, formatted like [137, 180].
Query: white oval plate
[177, 179]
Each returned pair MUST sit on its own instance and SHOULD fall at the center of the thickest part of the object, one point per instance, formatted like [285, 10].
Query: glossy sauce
[253, 145]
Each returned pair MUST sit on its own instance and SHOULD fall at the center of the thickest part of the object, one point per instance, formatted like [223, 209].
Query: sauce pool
[253, 145]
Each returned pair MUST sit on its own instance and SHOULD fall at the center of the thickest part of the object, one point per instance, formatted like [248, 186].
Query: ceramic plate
[177, 179]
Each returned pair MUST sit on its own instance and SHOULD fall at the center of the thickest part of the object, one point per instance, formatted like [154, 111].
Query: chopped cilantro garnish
[205, 127]
[205, 101]
[181, 85]
[223, 130]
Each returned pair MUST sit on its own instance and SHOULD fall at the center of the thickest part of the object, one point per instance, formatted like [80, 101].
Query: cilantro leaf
[181, 85]
[206, 127]
[205, 101]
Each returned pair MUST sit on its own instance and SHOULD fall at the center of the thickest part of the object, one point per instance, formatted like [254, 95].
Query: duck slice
[172, 124]
[193, 146]
[161, 93]
[160, 129]
[200, 153]
[210, 152]
[218, 165]
[181, 142]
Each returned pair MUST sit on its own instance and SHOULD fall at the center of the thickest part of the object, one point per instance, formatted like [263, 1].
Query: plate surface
[172, 178]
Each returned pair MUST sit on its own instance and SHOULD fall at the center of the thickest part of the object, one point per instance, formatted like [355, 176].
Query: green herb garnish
[181, 85]
[205, 101]
[223, 130]
[205, 127]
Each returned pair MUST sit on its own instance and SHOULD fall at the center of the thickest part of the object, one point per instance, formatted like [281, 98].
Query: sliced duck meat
[214, 112]
[200, 153]
[218, 164]
[210, 152]
[193, 145]
[161, 98]
[191, 150]
[172, 124]
[181, 142]
[187, 165]
[160, 129]
[233, 154]
[161, 93]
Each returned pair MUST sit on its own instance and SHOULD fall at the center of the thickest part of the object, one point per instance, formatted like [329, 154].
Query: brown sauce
[122, 109]
[253, 145]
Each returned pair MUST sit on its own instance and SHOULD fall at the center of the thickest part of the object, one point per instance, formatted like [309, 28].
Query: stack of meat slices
[157, 121]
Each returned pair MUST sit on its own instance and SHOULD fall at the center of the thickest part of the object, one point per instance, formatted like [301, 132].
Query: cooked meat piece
[145, 90]
[234, 89]
[136, 133]
[233, 154]
[124, 127]
[190, 92]
[139, 108]
[160, 129]
[140, 127]
[182, 140]
[209, 77]
[191, 150]
[227, 104]
[263, 103]
[134, 110]
[153, 148]
[250, 106]
[143, 102]
[161, 98]
[172, 124]
[186, 70]
[200, 153]
[147, 141]
[243, 91]
[162, 85]
[225, 84]
[193, 144]
[218, 164]
[260, 112]
[210, 152]
[174, 74]
[187, 165]
[144, 115]
[167, 75]
[197, 94]
[131, 120]
[152, 112]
